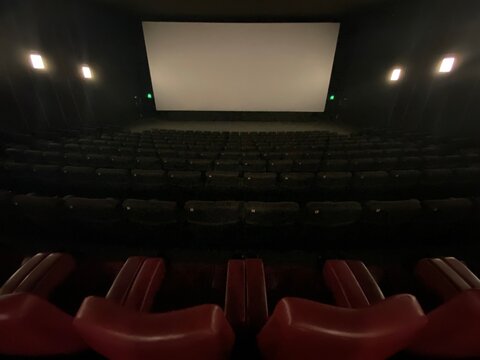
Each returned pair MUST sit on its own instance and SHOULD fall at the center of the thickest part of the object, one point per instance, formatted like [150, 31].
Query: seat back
[40, 275]
[446, 277]
[351, 283]
[137, 283]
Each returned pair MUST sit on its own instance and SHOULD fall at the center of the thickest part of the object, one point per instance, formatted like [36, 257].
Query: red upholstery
[40, 275]
[303, 329]
[453, 329]
[246, 295]
[446, 277]
[137, 283]
[351, 283]
[30, 325]
[235, 298]
[118, 326]
[200, 333]
[256, 294]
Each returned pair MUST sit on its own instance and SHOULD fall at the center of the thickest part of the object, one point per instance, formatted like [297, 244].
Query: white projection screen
[240, 66]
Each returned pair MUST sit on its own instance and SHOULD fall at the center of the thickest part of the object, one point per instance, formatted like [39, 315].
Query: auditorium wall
[69, 34]
[414, 35]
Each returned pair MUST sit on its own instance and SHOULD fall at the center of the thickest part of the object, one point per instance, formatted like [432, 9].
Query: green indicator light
[149, 96]
[332, 97]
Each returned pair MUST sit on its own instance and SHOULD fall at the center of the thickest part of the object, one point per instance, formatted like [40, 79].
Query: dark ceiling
[243, 9]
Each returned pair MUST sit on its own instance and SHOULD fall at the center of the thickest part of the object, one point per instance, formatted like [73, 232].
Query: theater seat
[280, 165]
[93, 218]
[40, 275]
[446, 277]
[368, 184]
[137, 282]
[147, 182]
[29, 324]
[151, 222]
[307, 330]
[214, 221]
[246, 305]
[351, 283]
[333, 185]
[453, 327]
[446, 219]
[392, 222]
[119, 326]
[272, 222]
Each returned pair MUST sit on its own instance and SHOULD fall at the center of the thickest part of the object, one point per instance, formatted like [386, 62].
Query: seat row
[267, 142]
[230, 224]
[284, 146]
[231, 185]
[365, 324]
[314, 160]
[120, 322]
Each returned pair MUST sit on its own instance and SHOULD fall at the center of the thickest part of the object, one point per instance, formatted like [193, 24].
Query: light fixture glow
[87, 73]
[447, 65]
[332, 97]
[396, 73]
[149, 96]
[37, 61]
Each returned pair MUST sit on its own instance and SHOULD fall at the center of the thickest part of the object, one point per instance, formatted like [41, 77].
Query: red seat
[303, 329]
[446, 277]
[118, 326]
[29, 324]
[351, 283]
[453, 328]
[40, 275]
[201, 332]
[137, 283]
[246, 295]
[235, 300]
[256, 294]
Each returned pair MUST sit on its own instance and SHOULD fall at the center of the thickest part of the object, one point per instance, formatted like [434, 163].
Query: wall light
[446, 65]
[395, 75]
[87, 73]
[37, 61]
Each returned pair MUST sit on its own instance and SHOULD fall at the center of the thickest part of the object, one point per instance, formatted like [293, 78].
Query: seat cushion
[31, 326]
[303, 329]
[452, 329]
[200, 332]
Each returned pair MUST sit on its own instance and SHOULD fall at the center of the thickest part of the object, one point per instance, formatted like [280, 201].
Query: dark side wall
[69, 34]
[415, 35]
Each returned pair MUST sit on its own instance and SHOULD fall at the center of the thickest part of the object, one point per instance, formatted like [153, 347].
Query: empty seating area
[174, 165]
[213, 245]
[163, 189]
[240, 225]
